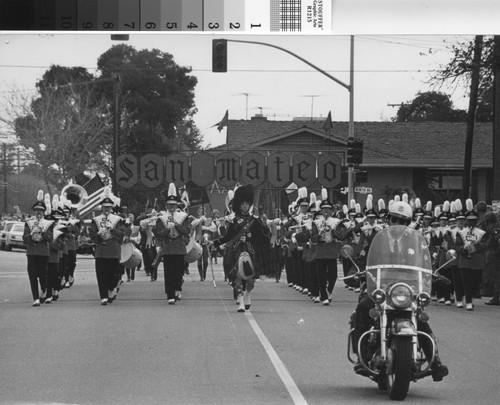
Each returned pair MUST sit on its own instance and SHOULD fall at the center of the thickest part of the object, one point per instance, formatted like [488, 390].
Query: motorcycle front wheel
[399, 367]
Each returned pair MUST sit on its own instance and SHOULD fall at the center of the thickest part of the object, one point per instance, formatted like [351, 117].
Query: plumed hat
[170, 195]
[428, 210]
[445, 214]
[106, 200]
[242, 194]
[418, 210]
[470, 213]
[382, 211]
[302, 197]
[39, 205]
[312, 202]
[459, 209]
[352, 207]
[370, 213]
[325, 202]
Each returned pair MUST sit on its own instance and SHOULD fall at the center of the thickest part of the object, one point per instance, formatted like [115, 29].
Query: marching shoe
[469, 306]
[351, 288]
[104, 301]
[246, 300]
[290, 284]
[241, 304]
[447, 302]
[492, 302]
[178, 295]
[317, 300]
[66, 284]
[326, 302]
[171, 301]
[55, 295]
[48, 300]
[459, 304]
[305, 291]
[71, 280]
[357, 289]
[434, 298]
[441, 300]
[36, 303]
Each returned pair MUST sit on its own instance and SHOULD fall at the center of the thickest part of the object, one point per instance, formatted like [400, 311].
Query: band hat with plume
[312, 202]
[370, 213]
[325, 202]
[445, 214]
[459, 209]
[470, 213]
[453, 211]
[428, 210]
[418, 211]
[382, 211]
[302, 197]
[106, 200]
[170, 195]
[39, 205]
[352, 207]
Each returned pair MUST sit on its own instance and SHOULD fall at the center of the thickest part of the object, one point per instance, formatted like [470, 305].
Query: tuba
[76, 194]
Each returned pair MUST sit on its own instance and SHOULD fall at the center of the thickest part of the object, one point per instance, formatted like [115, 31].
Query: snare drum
[130, 256]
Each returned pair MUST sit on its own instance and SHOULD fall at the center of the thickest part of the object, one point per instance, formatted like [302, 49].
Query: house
[425, 159]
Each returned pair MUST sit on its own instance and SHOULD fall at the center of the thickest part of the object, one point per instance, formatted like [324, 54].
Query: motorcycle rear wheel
[399, 367]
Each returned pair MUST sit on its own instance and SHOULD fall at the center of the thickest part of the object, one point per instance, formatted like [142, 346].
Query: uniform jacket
[172, 235]
[109, 248]
[38, 248]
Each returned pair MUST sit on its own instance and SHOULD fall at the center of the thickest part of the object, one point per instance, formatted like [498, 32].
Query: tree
[458, 71]
[430, 106]
[65, 128]
[156, 98]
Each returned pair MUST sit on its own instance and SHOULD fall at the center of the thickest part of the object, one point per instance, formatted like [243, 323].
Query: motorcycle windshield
[399, 254]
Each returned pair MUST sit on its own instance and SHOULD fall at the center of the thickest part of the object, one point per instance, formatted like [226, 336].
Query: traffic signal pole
[349, 87]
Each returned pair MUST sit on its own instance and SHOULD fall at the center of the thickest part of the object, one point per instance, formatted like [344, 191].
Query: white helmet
[401, 209]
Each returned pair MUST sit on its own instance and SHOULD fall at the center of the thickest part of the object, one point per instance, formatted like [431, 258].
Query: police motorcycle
[399, 281]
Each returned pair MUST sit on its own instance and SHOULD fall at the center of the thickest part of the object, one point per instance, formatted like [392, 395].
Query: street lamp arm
[348, 87]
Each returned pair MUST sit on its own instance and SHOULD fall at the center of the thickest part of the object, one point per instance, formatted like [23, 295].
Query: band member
[56, 247]
[37, 236]
[325, 234]
[470, 254]
[107, 231]
[244, 233]
[203, 227]
[170, 230]
[73, 227]
[147, 243]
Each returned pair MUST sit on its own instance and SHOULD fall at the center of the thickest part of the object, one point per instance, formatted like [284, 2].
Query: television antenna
[246, 106]
[313, 96]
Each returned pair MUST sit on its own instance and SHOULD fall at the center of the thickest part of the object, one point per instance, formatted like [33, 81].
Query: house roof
[386, 144]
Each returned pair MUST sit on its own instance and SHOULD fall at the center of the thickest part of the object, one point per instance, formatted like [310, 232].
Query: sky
[388, 68]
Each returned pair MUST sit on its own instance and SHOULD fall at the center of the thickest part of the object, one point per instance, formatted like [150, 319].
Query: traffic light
[219, 55]
[355, 151]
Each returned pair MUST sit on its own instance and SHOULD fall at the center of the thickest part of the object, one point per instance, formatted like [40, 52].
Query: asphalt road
[285, 350]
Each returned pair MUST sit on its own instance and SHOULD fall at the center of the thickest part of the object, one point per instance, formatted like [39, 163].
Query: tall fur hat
[242, 194]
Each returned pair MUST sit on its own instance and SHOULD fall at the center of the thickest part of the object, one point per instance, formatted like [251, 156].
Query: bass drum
[130, 256]
[194, 251]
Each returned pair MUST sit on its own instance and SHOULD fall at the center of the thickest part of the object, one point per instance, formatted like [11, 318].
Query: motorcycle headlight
[400, 296]
[378, 296]
[423, 299]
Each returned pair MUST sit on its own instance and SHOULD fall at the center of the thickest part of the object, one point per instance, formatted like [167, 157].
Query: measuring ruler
[249, 16]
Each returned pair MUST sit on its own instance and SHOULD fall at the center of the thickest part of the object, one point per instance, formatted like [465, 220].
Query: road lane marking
[280, 368]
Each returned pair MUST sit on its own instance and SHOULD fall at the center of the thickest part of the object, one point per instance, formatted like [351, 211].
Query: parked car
[15, 237]
[3, 233]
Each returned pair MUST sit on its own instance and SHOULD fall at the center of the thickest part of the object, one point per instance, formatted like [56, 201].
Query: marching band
[309, 244]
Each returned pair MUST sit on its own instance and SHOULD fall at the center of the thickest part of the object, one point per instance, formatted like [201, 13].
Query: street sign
[363, 190]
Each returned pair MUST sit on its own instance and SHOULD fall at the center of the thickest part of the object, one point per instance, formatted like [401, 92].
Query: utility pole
[116, 130]
[471, 116]
[349, 87]
[496, 118]
[5, 177]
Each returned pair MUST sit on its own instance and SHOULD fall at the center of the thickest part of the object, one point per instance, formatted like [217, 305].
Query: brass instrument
[76, 194]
